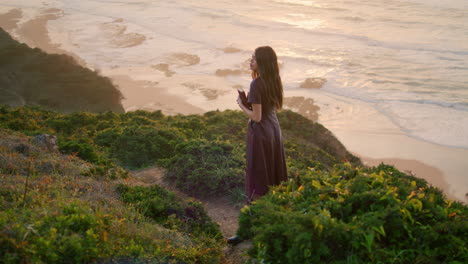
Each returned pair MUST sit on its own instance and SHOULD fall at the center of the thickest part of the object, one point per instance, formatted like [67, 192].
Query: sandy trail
[218, 208]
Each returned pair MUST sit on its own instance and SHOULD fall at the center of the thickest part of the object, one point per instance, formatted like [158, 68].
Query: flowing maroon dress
[266, 164]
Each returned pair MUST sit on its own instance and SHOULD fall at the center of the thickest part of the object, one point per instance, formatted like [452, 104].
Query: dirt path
[219, 209]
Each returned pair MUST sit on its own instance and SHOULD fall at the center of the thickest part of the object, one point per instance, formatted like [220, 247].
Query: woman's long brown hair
[268, 71]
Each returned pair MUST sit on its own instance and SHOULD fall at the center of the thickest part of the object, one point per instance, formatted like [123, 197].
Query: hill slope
[32, 77]
[333, 203]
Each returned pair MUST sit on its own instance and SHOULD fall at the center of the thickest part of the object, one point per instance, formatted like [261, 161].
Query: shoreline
[441, 166]
[146, 93]
[34, 32]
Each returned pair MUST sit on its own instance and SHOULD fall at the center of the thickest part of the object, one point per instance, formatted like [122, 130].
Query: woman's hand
[239, 102]
[255, 114]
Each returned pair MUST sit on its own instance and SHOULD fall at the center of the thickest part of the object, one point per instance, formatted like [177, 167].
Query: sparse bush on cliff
[354, 215]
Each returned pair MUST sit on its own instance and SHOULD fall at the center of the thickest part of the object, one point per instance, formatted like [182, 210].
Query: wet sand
[165, 68]
[314, 83]
[149, 96]
[303, 106]
[118, 35]
[9, 20]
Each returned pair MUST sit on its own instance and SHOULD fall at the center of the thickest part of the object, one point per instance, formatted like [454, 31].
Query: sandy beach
[423, 159]
[148, 96]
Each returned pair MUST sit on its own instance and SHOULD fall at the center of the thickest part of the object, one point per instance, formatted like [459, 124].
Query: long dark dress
[266, 164]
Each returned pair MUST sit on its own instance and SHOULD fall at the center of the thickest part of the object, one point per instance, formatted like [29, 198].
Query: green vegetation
[64, 85]
[206, 167]
[67, 206]
[203, 155]
[355, 215]
[53, 209]
[78, 205]
[172, 212]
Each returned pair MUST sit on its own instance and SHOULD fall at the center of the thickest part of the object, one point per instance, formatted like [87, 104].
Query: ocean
[374, 67]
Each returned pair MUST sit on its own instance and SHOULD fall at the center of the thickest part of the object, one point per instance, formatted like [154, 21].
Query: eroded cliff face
[10, 90]
[32, 77]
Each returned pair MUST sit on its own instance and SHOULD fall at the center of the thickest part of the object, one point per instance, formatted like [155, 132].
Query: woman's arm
[255, 114]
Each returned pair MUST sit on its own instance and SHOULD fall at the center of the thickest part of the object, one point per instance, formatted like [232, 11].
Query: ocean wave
[461, 106]
[377, 43]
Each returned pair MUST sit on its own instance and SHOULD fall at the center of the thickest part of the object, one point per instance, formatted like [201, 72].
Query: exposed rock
[315, 83]
[304, 106]
[46, 141]
[226, 72]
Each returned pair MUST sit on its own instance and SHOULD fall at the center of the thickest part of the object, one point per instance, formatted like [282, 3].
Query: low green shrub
[227, 125]
[70, 234]
[74, 231]
[139, 146]
[205, 168]
[354, 215]
[82, 150]
[174, 213]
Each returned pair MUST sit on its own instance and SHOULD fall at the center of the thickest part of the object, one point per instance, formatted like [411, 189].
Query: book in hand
[243, 98]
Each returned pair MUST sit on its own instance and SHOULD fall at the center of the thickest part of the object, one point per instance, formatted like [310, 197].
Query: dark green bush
[139, 146]
[172, 212]
[192, 126]
[227, 125]
[169, 210]
[82, 150]
[205, 168]
[353, 215]
[78, 124]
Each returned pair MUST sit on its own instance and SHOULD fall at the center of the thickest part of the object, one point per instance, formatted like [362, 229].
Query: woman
[266, 163]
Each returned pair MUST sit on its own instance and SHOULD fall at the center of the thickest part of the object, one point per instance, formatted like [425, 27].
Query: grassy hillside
[139, 139]
[72, 204]
[32, 77]
[55, 208]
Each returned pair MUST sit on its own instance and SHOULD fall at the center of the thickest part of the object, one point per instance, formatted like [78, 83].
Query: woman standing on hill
[266, 163]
